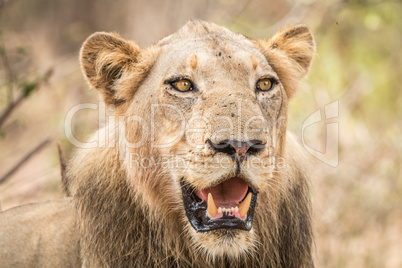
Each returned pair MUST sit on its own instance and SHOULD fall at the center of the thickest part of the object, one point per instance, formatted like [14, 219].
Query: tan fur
[39, 235]
[129, 215]
[193, 61]
[254, 62]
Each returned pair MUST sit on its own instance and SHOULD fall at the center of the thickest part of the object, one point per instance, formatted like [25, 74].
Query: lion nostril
[222, 147]
[238, 149]
[256, 148]
[227, 149]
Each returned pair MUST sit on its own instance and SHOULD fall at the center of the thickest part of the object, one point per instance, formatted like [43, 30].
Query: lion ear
[105, 59]
[290, 53]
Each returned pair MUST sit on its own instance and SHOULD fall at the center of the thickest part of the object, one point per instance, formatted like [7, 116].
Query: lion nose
[240, 150]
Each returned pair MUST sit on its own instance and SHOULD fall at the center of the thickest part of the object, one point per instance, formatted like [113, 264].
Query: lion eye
[265, 84]
[183, 85]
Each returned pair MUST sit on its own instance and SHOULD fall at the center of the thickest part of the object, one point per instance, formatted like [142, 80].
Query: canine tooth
[232, 209]
[211, 206]
[245, 205]
[236, 209]
[219, 210]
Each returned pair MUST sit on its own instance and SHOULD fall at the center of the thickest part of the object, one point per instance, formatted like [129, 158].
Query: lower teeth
[242, 209]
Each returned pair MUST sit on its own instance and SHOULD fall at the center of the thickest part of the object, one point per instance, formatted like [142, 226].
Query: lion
[195, 167]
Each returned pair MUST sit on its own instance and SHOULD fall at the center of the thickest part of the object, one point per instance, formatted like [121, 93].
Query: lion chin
[220, 243]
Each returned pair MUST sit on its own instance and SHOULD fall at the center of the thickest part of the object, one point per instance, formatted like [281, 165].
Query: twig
[25, 159]
[28, 89]
[63, 167]
[7, 67]
[10, 108]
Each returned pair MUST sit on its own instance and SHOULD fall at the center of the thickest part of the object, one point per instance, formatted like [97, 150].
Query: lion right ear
[105, 59]
[290, 53]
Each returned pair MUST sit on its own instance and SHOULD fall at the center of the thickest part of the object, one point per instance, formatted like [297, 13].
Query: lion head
[196, 168]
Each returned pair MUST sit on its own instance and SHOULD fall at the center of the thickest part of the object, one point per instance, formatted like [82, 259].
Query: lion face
[215, 104]
[231, 130]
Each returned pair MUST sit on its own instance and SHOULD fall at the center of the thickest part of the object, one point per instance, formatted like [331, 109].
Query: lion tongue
[227, 193]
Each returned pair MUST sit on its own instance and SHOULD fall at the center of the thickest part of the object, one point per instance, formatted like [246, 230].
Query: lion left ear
[290, 53]
[106, 58]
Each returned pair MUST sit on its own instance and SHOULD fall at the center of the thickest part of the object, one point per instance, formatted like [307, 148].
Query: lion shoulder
[39, 235]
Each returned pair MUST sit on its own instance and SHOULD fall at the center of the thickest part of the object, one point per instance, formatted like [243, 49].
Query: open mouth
[229, 205]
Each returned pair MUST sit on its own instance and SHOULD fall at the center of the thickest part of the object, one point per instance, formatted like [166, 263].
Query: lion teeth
[245, 205]
[211, 206]
[242, 209]
[231, 210]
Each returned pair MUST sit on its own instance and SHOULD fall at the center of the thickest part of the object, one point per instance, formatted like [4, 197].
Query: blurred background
[357, 201]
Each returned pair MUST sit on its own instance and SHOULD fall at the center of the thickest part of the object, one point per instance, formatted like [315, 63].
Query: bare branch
[10, 108]
[63, 167]
[27, 89]
[25, 159]
[7, 66]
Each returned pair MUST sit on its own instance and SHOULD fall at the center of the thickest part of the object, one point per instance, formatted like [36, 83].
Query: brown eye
[265, 84]
[183, 85]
